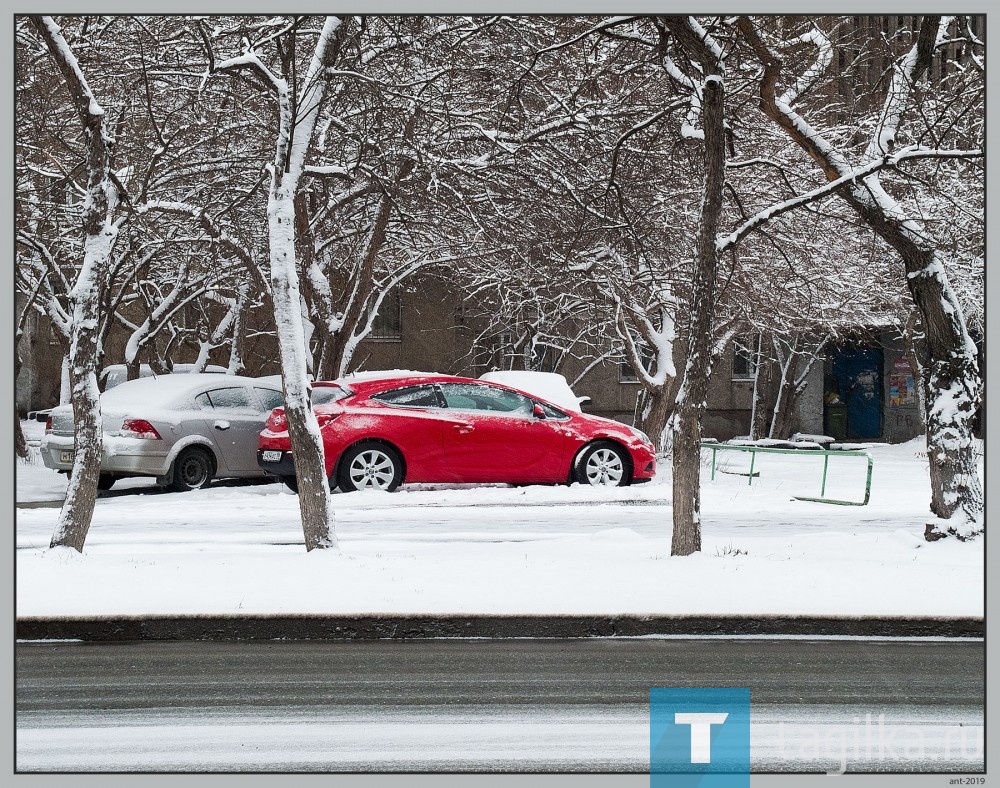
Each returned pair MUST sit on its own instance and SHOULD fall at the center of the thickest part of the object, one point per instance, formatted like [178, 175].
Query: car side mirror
[538, 411]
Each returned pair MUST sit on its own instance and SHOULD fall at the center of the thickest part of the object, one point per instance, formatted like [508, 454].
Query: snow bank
[448, 549]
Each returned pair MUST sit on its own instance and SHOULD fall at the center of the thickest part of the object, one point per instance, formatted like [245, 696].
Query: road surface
[488, 705]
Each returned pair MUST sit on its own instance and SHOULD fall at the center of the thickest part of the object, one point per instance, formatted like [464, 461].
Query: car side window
[203, 401]
[321, 395]
[410, 396]
[232, 399]
[481, 397]
[269, 399]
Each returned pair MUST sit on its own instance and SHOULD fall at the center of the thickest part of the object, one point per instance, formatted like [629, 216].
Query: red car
[379, 431]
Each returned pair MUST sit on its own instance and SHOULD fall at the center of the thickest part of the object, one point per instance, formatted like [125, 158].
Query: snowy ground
[237, 549]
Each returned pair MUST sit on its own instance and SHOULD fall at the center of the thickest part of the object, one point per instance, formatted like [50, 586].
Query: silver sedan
[184, 429]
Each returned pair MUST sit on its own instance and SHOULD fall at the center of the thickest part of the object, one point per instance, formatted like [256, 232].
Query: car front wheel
[192, 470]
[603, 464]
[370, 466]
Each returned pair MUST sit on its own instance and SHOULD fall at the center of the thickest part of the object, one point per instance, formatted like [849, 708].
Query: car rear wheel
[192, 470]
[105, 481]
[291, 483]
[370, 466]
[603, 464]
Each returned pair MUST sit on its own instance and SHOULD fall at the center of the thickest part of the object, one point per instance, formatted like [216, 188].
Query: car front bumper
[644, 466]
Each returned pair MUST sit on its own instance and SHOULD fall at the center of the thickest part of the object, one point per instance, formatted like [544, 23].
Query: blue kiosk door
[858, 373]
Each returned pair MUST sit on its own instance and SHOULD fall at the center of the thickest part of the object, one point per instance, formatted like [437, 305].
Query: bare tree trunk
[235, 366]
[64, 385]
[784, 404]
[20, 444]
[307, 444]
[952, 389]
[763, 384]
[85, 298]
[297, 119]
[914, 354]
[656, 415]
[691, 400]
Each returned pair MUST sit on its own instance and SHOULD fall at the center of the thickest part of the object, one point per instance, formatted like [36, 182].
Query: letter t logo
[701, 733]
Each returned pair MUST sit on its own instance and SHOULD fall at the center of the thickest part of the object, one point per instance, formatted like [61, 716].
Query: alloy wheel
[604, 468]
[372, 469]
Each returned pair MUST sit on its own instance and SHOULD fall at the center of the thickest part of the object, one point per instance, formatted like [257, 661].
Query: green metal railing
[825, 453]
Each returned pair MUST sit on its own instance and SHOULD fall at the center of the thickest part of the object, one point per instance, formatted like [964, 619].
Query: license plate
[271, 456]
[65, 456]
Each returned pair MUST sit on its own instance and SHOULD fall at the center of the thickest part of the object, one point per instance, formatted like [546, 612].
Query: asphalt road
[487, 705]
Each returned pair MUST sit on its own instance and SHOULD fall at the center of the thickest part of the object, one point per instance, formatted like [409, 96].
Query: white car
[184, 430]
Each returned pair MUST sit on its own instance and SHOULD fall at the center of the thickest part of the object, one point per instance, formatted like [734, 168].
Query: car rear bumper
[284, 466]
[119, 456]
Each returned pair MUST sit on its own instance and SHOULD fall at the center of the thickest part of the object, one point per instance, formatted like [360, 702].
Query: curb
[417, 627]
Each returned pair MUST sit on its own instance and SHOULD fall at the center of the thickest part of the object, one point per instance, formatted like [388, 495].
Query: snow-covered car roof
[550, 386]
[276, 380]
[116, 374]
[382, 374]
[167, 388]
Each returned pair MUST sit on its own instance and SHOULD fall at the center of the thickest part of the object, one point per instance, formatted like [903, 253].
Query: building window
[544, 358]
[625, 372]
[746, 359]
[493, 352]
[388, 323]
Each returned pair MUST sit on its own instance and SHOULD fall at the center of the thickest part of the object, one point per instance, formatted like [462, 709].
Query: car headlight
[641, 434]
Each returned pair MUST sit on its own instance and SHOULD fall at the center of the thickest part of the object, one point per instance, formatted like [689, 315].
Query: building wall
[900, 418]
[434, 336]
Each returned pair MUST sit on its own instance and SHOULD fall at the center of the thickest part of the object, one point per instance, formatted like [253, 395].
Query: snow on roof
[166, 388]
[549, 386]
[116, 374]
[382, 374]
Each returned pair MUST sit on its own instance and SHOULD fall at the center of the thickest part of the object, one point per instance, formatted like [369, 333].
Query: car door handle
[462, 429]
[221, 425]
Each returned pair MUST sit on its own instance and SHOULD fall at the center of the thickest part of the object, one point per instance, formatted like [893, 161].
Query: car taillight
[278, 421]
[48, 425]
[139, 428]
